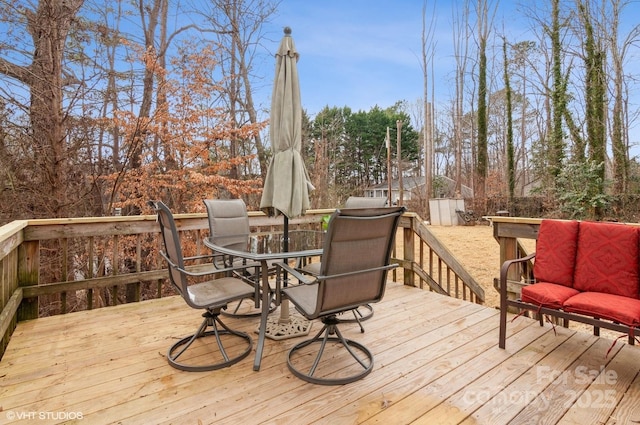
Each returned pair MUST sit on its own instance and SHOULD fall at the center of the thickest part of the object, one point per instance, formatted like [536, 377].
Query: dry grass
[478, 251]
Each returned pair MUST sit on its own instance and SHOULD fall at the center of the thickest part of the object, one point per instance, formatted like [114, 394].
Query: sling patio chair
[353, 272]
[229, 227]
[363, 312]
[203, 287]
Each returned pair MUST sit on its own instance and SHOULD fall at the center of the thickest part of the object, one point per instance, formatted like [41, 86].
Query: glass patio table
[264, 248]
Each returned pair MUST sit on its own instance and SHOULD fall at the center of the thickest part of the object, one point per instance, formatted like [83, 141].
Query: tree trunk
[460, 42]
[558, 96]
[49, 27]
[510, 157]
[482, 160]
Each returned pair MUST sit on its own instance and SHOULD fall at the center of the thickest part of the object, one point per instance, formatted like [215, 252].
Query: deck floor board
[436, 361]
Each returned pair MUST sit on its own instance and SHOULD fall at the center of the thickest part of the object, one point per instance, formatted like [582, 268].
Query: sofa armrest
[504, 270]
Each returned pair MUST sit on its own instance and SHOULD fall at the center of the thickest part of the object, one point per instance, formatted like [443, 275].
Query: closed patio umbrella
[287, 184]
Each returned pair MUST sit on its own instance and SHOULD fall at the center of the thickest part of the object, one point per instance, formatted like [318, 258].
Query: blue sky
[355, 53]
[362, 53]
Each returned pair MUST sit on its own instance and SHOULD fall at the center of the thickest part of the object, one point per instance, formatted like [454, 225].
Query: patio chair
[202, 288]
[363, 312]
[353, 272]
[229, 227]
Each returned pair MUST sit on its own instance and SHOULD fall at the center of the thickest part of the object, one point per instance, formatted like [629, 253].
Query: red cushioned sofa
[583, 271]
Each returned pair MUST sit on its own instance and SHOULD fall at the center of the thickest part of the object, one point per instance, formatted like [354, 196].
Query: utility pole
[388, 142]
[400, 187]
[428, 148]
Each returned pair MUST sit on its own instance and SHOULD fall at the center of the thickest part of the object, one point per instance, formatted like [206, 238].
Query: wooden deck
[436, 361]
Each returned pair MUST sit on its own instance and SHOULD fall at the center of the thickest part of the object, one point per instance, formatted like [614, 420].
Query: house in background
[414, 187]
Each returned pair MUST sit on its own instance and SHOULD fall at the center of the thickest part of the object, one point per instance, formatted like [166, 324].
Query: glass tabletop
[270, 244]
[274, 243]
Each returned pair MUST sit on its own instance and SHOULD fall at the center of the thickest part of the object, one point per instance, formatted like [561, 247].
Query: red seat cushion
[607, 259]
[556, 251]
[607, 306]
[547, 294]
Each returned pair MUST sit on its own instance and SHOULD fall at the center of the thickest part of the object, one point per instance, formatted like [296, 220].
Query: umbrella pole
[285, 318]
[286, 326]
[285, 246]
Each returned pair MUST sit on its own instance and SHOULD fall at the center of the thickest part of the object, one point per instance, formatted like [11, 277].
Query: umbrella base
[283, 328]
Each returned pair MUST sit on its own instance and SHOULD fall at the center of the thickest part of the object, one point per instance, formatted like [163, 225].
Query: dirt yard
[478, 251]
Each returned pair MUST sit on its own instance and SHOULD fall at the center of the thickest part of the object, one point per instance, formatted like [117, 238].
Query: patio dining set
[354, 258]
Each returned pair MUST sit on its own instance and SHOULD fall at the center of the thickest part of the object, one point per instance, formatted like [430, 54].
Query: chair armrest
[304, 278]
[356, 272]
[201, 269]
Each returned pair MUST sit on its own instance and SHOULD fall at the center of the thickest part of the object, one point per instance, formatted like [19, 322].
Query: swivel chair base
[219, 328]
[363, 359]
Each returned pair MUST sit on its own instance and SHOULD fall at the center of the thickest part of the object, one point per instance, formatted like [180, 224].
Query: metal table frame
[263, 259]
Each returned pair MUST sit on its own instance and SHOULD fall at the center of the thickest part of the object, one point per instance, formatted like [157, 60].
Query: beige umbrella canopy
[287, 184]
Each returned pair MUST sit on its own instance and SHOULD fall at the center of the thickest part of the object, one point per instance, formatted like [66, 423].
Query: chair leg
[330, 328]
[503, 327]
[219, 328]
[356, 313]
[359, 316]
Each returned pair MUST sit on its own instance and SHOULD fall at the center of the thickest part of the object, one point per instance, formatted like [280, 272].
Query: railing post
[409, 253]
[507, 231]
[28, 274]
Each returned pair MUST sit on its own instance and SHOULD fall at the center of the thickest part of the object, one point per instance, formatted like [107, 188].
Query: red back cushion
[556, 252]
[607, 259]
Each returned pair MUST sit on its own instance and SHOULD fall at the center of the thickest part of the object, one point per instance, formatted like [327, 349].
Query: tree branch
[20, 73]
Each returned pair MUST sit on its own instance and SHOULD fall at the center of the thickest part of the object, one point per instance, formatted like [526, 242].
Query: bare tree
[483, 28]
[461, 49]
[428, 48]
[510, 150]
[521, 52]
[619, 50]
[595, 93]
[109, 38]
[238, 25]
[48, 25]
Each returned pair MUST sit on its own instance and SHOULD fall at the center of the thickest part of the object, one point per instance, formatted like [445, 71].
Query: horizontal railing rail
[56, 266]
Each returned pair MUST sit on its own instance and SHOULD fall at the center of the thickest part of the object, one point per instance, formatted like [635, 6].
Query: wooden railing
[57, 266]
[426, 260]
[508, 231]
